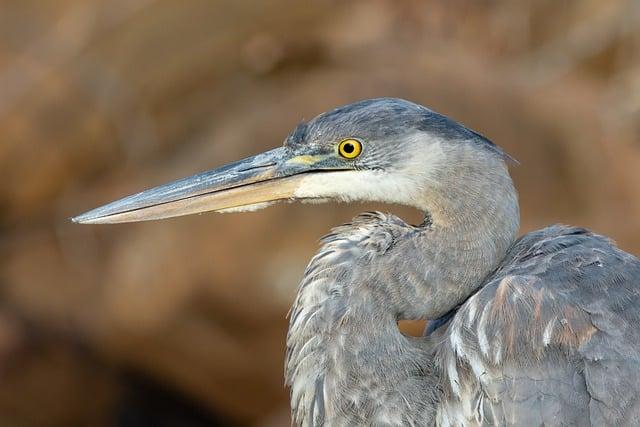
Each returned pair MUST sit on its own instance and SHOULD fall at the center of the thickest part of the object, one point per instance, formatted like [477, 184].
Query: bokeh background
[182, 322]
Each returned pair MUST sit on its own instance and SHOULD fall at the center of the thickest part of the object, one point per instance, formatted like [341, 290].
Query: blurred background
[182, 322]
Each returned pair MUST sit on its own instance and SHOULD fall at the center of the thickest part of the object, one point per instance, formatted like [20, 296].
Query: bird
[531, 330]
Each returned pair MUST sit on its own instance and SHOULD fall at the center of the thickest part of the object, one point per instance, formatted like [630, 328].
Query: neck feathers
[475, 218]
[343, 346]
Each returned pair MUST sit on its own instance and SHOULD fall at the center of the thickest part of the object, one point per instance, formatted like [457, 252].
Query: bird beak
[243, 185]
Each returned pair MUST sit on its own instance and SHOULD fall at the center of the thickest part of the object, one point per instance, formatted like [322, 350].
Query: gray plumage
[540, 330]
[547, 328]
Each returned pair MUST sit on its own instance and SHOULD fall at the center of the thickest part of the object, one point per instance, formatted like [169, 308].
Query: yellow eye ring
[350, 148]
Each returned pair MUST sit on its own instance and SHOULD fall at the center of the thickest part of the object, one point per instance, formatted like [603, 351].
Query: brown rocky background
[182, 322]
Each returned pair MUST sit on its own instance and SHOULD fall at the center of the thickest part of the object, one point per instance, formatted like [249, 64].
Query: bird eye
[350, 148]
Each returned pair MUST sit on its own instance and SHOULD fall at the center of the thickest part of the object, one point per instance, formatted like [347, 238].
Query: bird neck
[471, 219]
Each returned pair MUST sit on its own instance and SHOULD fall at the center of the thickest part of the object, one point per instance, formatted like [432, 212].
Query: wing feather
[553, 338]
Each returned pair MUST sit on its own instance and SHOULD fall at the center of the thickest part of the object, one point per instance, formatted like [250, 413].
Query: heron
[540, 329]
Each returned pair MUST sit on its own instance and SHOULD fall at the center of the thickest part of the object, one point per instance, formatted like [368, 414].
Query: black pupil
[348, 148]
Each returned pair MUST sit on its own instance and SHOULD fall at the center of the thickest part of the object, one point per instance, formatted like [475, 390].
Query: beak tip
[81, 219]
[90, 217]
[101, 215]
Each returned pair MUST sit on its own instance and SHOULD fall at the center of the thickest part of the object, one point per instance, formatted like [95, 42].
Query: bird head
[385, 150]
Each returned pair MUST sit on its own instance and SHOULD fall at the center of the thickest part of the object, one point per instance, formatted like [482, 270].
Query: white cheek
[405, 185]
[351, 186]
